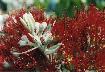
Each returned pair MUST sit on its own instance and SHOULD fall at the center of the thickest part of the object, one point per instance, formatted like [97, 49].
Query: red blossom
[83, 39]
[14, 30]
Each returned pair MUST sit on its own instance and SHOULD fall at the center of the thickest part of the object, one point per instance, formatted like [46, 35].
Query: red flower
[14, 30]
[83, 39]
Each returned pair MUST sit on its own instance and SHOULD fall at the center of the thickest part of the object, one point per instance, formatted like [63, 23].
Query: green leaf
[52, 49]
[48, 28]
[42, 27]
[24, 41]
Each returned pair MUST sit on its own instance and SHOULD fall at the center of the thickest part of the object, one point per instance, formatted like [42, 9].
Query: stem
[16, 53]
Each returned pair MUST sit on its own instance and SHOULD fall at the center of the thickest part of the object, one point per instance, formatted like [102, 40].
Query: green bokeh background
[68, 6]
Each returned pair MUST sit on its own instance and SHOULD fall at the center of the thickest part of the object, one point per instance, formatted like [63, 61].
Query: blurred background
[58, 7]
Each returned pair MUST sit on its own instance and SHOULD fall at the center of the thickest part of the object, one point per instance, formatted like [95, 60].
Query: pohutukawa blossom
[28, 42]
[83, 40]
[33, 42]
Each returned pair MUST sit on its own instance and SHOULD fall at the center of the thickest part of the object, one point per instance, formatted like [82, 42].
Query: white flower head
[40, 32]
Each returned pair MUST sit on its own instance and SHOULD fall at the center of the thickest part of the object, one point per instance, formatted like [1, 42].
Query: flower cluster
[83, 40]
[28, 42]
[33, 42]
